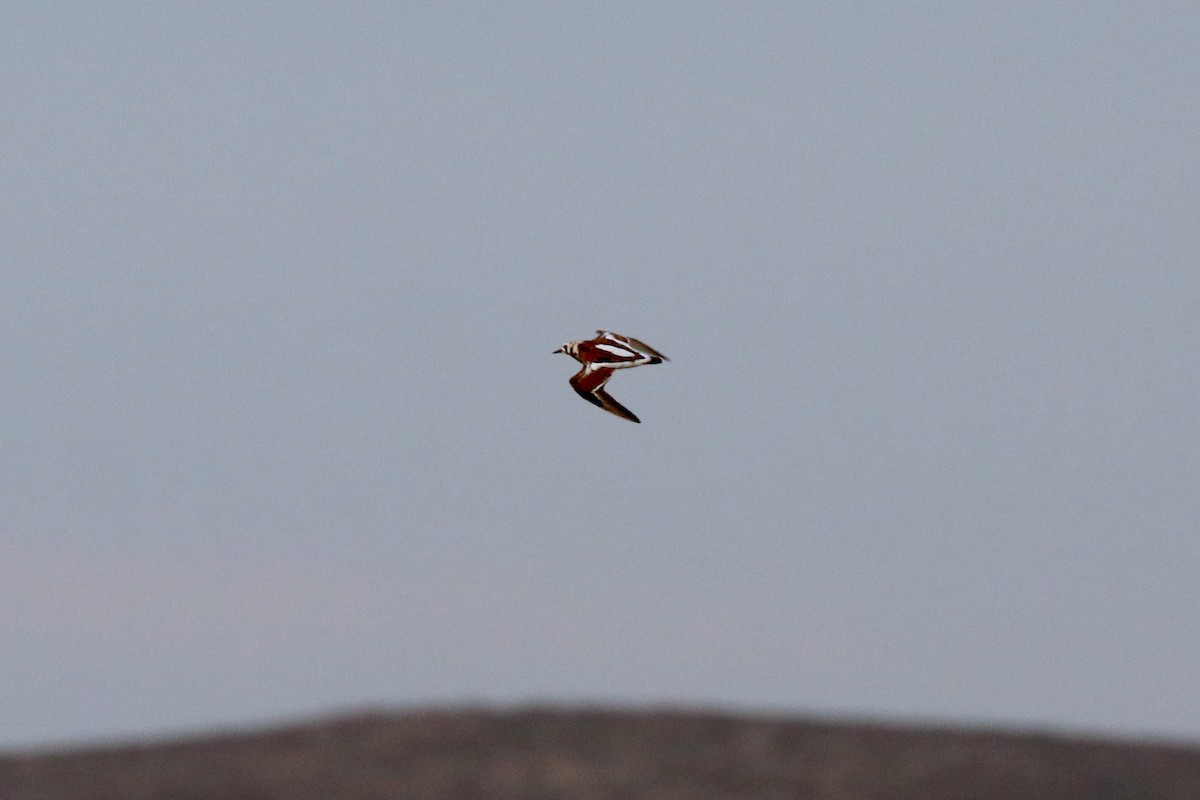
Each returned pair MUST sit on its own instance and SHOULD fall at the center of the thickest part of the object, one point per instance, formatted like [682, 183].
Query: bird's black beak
[559, 350]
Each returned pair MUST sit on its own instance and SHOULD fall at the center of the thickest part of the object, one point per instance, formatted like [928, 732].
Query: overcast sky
[283, 435]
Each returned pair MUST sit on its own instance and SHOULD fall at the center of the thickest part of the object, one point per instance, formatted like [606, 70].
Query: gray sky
[283, 433]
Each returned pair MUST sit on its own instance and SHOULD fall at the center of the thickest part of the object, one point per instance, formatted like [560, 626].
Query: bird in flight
[601, 357]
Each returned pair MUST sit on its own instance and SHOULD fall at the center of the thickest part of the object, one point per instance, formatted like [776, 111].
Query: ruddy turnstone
[601, 357]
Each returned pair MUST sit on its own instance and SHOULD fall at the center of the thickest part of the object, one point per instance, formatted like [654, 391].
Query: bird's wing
[634, 343]
[589, 382]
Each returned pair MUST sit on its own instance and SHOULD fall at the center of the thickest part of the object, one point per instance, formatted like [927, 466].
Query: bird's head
[570, 348]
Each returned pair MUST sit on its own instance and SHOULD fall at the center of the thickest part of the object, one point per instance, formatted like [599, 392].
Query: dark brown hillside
[597, 755]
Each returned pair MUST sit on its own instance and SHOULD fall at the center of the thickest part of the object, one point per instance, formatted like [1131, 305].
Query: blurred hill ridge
[547, 753]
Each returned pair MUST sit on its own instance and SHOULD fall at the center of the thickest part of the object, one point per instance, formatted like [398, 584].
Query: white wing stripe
[617, 351]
